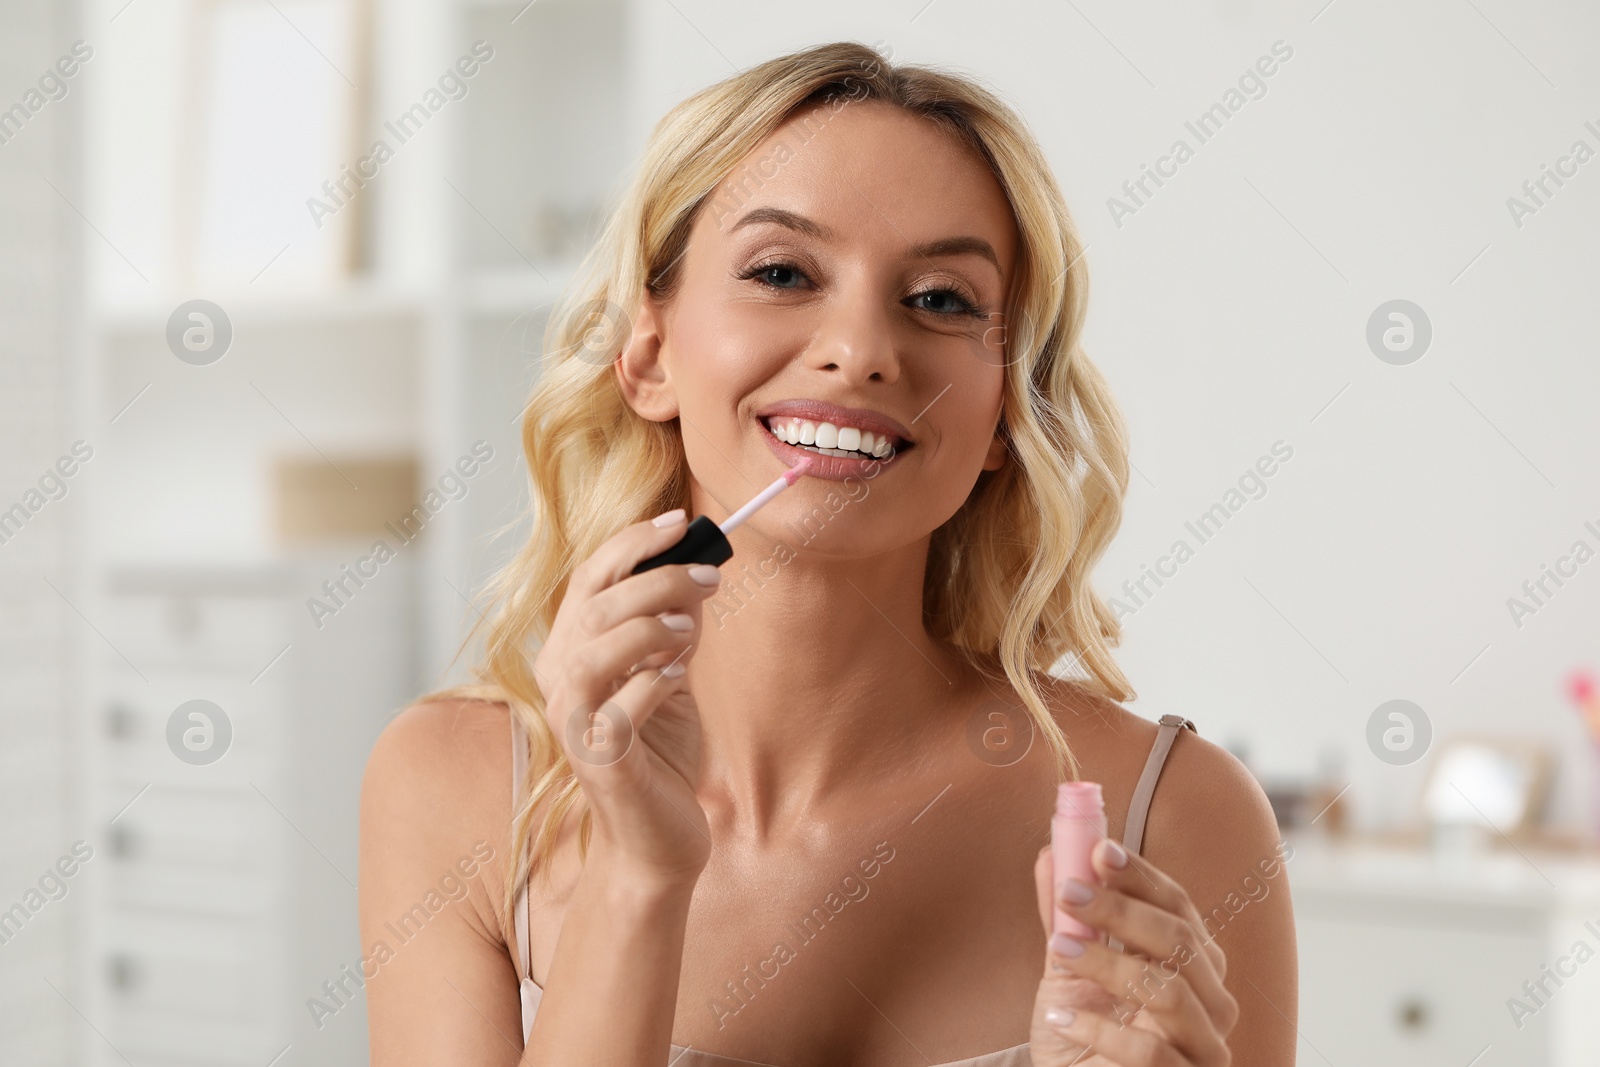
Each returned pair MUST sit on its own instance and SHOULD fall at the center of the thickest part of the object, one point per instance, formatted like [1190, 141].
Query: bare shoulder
[1209, 820]
[1212, 830]
[437, 790]
[1209, 816]
[441, 766]
[444, 737]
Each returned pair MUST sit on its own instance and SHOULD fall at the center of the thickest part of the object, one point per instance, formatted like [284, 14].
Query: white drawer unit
[221, 896]
[1411, 960]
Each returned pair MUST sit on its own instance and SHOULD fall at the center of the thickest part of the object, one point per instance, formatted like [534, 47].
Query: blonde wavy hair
[1008, 574]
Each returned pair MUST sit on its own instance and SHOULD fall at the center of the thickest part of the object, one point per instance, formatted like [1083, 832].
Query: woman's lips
[828, 468]
[819, 411]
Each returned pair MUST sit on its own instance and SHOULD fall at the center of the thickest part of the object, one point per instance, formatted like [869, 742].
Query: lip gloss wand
[706, 542]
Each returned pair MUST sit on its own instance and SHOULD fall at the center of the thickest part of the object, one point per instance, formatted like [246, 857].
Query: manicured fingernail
[681, 623]
[673, 670]
[669, 518]
[1063, 945]
[1114, 854]
[705, 574]
[1060, 1018]
[1076, 892]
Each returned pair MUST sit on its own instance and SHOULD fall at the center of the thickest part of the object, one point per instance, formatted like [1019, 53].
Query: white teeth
[831, 440]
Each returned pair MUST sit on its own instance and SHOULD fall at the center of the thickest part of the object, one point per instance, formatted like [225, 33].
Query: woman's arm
[440, 985]
[613, 985]
[448, 992]
[612, 677]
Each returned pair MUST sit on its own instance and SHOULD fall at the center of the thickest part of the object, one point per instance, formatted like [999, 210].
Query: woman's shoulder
[448, 747]
[437, 787]
[1210, 817]
[1101, 731]
[1206, 803]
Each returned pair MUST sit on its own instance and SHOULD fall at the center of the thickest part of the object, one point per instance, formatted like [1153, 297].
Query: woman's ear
[643, 378]
[995, 458]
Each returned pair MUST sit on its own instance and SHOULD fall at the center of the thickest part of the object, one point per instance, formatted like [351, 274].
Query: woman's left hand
[1159, 1002]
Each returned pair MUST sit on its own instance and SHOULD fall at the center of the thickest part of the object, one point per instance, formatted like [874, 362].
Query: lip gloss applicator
[707, 542]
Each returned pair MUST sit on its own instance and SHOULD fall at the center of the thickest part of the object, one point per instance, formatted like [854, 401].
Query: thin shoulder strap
[521, 917]
[1139, 807]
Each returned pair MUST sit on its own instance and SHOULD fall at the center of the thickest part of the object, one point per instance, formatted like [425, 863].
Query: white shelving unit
[223, 900]
[223, 891]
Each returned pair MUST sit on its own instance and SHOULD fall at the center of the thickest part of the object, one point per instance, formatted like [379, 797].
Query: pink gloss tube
[1079, 822]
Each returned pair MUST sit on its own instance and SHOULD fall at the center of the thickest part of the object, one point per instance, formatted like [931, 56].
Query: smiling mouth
[830, 439]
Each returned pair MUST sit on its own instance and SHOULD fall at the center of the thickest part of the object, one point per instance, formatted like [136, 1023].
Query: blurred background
[1350, 321]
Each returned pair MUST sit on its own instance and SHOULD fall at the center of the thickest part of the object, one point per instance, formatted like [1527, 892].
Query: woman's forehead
[867, 171]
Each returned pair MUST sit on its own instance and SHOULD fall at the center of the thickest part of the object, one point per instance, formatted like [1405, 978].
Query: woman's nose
[856, 341]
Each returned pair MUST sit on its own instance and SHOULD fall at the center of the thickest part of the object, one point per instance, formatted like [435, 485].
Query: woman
[795, 810]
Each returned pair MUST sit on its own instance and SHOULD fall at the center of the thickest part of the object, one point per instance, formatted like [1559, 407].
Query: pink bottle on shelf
[1079, 823]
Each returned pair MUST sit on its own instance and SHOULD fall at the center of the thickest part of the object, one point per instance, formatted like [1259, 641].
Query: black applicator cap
[704, 542]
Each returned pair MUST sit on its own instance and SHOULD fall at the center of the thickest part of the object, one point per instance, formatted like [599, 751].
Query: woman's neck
[813, 675]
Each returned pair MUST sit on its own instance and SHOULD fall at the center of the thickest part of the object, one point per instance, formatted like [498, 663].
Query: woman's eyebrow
[944, 246]
[959, 246]
[787, 219]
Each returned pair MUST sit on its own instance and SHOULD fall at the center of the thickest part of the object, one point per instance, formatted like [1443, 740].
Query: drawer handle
[123, 973]
[123, 843]
[121, 722]
[1413, 1014]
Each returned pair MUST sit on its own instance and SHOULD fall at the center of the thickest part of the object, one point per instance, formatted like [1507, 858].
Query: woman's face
[840, 298]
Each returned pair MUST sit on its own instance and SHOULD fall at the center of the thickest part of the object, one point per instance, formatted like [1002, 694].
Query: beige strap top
[1017, 1056]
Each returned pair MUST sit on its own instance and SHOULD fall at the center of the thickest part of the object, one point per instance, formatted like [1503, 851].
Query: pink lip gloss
[1079, 822]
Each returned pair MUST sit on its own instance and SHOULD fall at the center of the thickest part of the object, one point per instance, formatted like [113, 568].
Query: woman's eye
[938, 301]
[944, 302]
[778, 275]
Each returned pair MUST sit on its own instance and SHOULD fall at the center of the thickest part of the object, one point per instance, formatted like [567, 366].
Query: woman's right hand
[616, 696]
